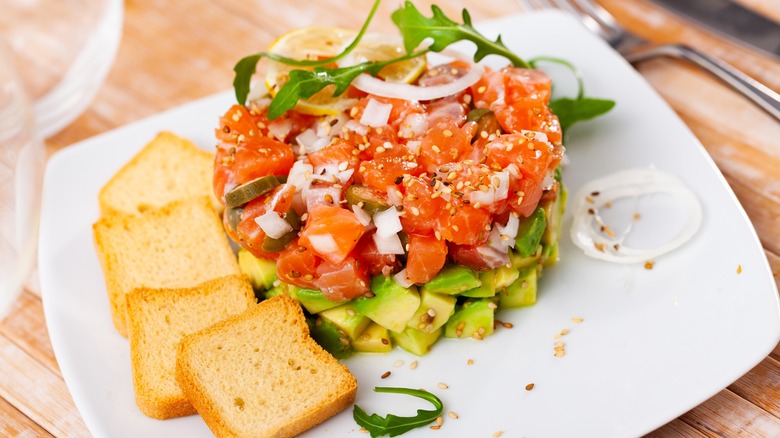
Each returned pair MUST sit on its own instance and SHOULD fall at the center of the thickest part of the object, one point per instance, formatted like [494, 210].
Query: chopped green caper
[248, 191]
[486, 122]
[367, 199]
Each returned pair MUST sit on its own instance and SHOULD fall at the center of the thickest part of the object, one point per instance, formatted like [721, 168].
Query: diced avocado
[330, 337]
[314, 300]
[530, 233]
[279, 289]
[374, 339]
[416, 341]
[452, 280]
[506, 276]
[261, 272]
[553, 210]
[520, 262]
[522, 292]
[439, 305]
[346, 319]
[472, 320]
[391, 306]
[550, 255]
[486, 289]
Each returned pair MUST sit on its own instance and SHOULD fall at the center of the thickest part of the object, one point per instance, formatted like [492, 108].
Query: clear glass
[21, 163]
[54, 56]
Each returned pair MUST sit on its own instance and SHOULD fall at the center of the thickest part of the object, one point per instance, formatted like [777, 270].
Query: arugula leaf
[415, 27]
[394, 425]
[245, 68]
[581, 108]
[571, 111]
[304, 84]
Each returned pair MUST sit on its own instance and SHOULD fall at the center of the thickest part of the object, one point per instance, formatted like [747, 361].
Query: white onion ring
[378, 87]
[625, 184]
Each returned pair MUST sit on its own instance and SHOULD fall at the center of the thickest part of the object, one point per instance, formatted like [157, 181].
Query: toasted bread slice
[167, 169]
[180, 245]
[260, 374]
[158, 319]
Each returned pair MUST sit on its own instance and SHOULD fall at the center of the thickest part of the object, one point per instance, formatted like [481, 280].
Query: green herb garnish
[581, 108]
[245, 68]
[304, 84]
[394, 425]
[415, 27]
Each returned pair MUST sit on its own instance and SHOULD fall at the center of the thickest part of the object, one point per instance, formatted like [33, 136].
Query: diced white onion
[502, 191]
[356, 127]
[327, 195]
[495, 241]
[492, 257]
[331, 126]
[413, 146]
[387, 222]
[629, 183]
[344, 175]
[326, 172]
[513, 170]
[273, 225]
[549, 180]
[376, 113]
[484, 198]
[310, 142]
[388, 244]
[279, 128]
[394, 197]
[323, 243]
[402, 279]
[510, 229]
[300, 175]
[413, 125]
[363, 217]
[378, 87]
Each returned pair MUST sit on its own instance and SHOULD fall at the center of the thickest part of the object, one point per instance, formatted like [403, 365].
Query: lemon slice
[316, 42]
[381, 47]
[320, 42]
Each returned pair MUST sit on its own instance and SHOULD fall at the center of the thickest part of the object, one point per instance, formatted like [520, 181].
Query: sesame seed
[739, 269]
[589, 199]
[481, 89]
[447, 133]
[649, 264]
[564, 332]
[636, 216]
[492, 305]
[413, 365]
[508, 325]
[529, 386]
[498, 434]
[435, 427]
[380, 149]
[431, 312]
[442, 385]
[470, 362]
[398, 364]
[353, 112]
[577, 319]
[560, 353]
[386, 374]
[364, 430]
[452, 415]
[439, 420]
[385, 341]
[415, 211]
[343, 166]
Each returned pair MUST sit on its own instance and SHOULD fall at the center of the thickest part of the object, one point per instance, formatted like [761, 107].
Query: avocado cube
[314, 300]
[530, 232]
[506, 276]
[550, 255]
[330, 337]
[261, 272]
[374, 339]
[416, 341]
[346, 319]
[553, 210]
[472, 320]
[453, 279]
[280, 288]
[522, 292]
[435, 309]
[392, 304]
[486, 289]
[519, 262]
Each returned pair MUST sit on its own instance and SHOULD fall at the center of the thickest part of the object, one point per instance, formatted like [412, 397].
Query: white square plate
[653, 344]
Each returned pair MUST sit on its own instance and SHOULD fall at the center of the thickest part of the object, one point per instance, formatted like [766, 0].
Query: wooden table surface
[175, 51]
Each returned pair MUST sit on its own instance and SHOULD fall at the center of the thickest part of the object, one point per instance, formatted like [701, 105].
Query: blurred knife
[733, 21]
